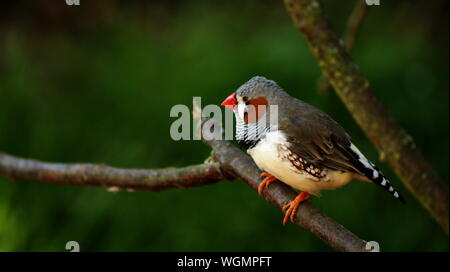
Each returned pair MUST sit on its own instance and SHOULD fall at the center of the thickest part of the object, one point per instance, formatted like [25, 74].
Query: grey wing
[322, 142]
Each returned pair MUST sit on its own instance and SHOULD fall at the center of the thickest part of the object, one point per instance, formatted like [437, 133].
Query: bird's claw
[266, 182]
[291, 207]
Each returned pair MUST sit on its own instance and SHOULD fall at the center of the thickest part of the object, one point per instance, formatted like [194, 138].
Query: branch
[230, 163]
[353, 25]
[109, 177]
[395, 145]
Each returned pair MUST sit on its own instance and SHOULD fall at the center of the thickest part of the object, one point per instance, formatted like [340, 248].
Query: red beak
[230, 102]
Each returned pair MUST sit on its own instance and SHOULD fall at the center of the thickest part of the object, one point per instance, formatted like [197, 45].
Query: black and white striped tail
[374, 174]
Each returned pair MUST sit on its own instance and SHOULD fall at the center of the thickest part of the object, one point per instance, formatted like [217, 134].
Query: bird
[296, 143]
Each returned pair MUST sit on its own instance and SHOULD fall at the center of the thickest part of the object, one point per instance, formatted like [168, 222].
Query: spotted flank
[301, 164]
[373, 173]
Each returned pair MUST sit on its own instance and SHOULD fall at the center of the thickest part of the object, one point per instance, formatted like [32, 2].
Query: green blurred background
[95, 83]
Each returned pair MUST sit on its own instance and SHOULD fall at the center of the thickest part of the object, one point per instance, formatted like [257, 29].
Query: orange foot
[266, 182]
[291, 207]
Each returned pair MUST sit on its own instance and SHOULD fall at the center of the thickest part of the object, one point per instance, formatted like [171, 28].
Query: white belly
[266, 156]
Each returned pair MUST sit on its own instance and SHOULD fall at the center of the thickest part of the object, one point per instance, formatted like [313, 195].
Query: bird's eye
[245, 98]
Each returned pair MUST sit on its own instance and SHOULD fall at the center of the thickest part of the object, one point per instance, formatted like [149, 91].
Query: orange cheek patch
[256, 108]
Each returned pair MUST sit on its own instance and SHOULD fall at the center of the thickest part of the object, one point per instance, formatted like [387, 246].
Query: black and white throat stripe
[373, 173]
[248, 135]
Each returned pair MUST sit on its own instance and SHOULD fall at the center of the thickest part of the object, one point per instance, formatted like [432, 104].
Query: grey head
[259, 86]
[255, 114]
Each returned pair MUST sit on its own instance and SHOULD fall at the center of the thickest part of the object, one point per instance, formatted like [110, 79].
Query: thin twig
[354, 23]
[353, 26]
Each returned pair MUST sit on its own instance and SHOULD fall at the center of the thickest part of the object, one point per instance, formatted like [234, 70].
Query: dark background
[95, 83]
